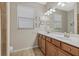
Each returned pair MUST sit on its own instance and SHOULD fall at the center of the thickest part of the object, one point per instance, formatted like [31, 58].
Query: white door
[0, 32]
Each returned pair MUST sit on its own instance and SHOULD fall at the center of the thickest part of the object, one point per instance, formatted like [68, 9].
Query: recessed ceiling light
[52, 10]
[59, 3]
[62, 5]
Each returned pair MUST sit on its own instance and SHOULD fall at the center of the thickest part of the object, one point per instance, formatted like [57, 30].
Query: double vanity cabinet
[53, 47]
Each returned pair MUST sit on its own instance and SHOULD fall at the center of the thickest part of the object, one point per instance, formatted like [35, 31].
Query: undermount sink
[61, 36]
[72, 39]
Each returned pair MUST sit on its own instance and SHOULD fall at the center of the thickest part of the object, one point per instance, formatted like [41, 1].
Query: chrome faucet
[66, 34]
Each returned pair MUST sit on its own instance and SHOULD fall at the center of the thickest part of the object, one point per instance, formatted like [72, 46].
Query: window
[25, 16]
[57, 22]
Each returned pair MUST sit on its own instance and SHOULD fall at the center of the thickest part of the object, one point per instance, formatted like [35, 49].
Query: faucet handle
[65, 34]
[68, 35]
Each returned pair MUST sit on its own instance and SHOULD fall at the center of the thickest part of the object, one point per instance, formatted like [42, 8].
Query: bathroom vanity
[54, 45]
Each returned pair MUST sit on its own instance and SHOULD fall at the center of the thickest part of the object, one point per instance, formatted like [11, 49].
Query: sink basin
[72, 39]
[59, 35]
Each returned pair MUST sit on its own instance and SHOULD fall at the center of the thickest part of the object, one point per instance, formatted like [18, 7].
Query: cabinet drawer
[43, 43]
[56, 42]
[62, 53]
[70, 49]
[65, 47]
[48, 39]
[74, 51]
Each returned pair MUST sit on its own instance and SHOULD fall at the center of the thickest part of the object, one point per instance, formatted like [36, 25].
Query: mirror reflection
[61, 16]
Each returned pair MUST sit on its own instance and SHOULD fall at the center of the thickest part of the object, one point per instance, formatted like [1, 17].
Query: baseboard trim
[24, 49]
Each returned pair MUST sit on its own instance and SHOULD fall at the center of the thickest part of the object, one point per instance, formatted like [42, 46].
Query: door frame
[8, 28]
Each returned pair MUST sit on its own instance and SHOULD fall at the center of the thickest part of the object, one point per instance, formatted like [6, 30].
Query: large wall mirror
[63, 16]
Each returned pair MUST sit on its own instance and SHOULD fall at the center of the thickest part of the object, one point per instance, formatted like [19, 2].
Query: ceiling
[43, 3]
[67, 7]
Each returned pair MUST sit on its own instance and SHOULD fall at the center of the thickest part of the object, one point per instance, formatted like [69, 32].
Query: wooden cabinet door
[70, 49]
[39, 41]
[50, 49]
[43, 45]
[62, 53]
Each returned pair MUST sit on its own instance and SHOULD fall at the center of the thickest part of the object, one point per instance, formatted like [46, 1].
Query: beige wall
[23, 38]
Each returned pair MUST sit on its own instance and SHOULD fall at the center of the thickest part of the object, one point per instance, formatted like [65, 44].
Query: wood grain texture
[3, 28]
[55, 42]
[62, 53]
[56, 48]
[50, 49]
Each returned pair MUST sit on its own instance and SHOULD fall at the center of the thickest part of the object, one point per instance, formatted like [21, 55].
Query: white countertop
[60, 36]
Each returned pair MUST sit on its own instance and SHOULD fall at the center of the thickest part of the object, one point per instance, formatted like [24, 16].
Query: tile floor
[30, 52]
